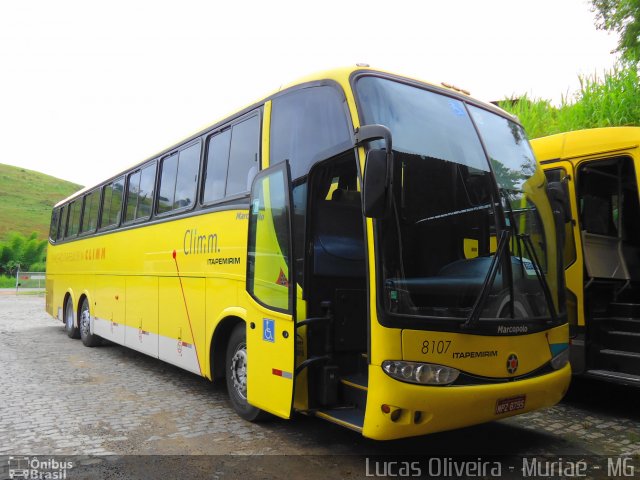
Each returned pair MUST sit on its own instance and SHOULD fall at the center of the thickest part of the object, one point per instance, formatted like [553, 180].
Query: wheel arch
[83, 295]
[219, 341]
[69, 295]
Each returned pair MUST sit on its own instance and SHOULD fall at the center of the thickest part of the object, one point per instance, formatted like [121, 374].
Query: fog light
[395, 415]
[420, 373]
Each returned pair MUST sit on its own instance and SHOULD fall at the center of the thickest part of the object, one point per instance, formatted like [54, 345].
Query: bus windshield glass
[464, 178]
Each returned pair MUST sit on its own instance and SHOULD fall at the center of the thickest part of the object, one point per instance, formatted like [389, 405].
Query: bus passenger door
[271, 286]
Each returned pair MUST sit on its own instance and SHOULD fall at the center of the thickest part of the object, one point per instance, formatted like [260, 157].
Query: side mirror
[559, 200]
[376, 195]
[378, 171]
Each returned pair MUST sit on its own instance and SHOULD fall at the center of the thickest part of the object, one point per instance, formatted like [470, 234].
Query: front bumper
[427, 409]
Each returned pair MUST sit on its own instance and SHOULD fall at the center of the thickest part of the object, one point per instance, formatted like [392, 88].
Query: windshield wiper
[488, 281]
[528, 245]
[456, 212]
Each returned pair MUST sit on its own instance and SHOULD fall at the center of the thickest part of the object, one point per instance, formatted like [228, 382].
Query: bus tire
[88, 339]
[236, 376]
[70, 319]
[521, 306]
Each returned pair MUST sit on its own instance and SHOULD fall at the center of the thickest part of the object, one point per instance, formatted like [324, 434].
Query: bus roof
[340, 75]
[579, 143]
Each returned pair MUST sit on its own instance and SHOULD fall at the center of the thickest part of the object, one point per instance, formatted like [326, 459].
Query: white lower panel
[110, 330]
[179, 353]
[170, 350]
[141, 340]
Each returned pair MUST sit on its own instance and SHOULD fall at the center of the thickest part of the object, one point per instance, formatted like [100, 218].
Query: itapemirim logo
[38, 468]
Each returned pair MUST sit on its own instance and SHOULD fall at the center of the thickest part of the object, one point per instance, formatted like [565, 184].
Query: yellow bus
[349, 247]
[597, 168]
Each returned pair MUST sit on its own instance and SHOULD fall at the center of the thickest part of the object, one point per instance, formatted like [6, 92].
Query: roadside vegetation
[26, 199]
[607, 101]
[26, 252]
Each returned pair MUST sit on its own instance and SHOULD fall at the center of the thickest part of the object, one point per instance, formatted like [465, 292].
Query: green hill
[26, 198]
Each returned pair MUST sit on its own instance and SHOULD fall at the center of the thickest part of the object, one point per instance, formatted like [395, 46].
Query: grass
[26, 199]
[607, 101]
[7, 282]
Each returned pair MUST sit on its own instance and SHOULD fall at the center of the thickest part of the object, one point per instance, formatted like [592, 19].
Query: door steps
[352, 418]
[617, 377]
[614, 343]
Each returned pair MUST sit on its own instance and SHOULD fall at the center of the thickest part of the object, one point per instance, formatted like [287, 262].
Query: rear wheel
[236, 376]
[88, 339]
[70, 319]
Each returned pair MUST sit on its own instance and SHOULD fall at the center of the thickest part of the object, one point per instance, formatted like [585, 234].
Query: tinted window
[305, 124]
[63, 223]
[90, 211]
[145, 193]
[179, 179]
[187, 181]
[132, 196]
[167, 183]
[74, 219]
[216, 166]
[53, 228]
[243, 156]
[112, 203]
[116, 201]
[140, 193]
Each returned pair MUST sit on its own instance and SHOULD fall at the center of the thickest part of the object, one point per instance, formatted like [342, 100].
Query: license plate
[511, 404]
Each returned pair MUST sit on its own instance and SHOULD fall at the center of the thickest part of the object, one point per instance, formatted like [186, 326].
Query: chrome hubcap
[85, 319]
[239, 371]
[69, 316]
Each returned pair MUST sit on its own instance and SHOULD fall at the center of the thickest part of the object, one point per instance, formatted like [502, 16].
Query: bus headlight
[560, 360]
[421, 373]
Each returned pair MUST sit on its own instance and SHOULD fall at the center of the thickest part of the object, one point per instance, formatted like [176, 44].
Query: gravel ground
[104, 404]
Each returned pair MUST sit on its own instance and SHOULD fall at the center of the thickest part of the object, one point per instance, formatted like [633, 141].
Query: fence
[30, 280]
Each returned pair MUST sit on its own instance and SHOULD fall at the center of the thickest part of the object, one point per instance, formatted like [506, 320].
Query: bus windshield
[464, 178]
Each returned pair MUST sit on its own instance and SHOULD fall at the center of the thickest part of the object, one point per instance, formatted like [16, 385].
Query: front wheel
[88, 339]
[236, 376]
[70, 319]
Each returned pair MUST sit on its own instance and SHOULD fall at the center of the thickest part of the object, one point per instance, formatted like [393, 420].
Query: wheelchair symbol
[268, 329]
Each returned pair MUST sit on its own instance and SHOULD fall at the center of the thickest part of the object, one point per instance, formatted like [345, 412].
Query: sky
[89, 88]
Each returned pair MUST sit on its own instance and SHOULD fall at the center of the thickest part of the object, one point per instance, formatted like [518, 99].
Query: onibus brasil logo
[36, 468]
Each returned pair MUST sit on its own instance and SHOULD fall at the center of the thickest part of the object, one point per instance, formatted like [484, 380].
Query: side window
[140, 193]
[90, 211]
[55, 220]
[168, 172]
[73, 224]
[112, 203]
[133, 187]
[233, 159]
[179, 179]
[145, 193]
[187, 181]
[305, 124]
[216, 166]
[598, 198]
[63, 222]
[243, 155]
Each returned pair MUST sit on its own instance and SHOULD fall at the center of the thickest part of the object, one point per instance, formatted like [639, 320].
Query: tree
[622, 17]
[28, 252]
